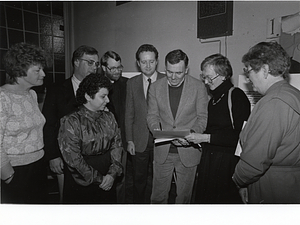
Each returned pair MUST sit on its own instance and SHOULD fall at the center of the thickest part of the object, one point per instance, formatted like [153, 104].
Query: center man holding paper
[177, 102]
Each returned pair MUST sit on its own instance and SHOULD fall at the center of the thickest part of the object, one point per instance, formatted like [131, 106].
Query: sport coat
[136, 112]
[191, 114]
[59, 101]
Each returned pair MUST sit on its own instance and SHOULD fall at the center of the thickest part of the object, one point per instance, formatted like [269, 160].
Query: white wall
[168, 26]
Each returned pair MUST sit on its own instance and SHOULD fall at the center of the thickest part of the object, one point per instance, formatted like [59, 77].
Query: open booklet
[164, 135]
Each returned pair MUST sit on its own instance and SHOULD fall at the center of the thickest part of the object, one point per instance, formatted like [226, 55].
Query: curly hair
[20, 57]
[176, 56]
[146, 48]
[90, 85]
[270, 53]
[220, 64]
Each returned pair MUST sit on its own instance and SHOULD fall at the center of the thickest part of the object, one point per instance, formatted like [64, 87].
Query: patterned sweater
[21, 128]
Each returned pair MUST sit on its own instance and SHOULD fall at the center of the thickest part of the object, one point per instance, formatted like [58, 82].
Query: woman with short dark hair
[90, 143]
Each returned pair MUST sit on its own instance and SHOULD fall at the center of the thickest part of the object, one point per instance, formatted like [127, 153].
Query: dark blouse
[219, 123]
[87, 133]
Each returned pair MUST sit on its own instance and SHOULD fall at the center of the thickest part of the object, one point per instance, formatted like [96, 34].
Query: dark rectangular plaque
[214, 19]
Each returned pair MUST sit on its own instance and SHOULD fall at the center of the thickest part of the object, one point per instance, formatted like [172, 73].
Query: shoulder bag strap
[230, 105]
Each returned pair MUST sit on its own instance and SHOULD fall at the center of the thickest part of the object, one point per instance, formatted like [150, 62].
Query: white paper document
[164, 135]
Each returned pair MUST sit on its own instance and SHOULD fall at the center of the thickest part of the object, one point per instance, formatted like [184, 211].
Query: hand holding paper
[197, 138]
[162, 136]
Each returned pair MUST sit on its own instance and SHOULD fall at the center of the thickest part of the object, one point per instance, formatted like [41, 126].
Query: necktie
[149, 80]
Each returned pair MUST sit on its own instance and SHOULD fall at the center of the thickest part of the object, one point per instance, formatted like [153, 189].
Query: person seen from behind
[269, 166]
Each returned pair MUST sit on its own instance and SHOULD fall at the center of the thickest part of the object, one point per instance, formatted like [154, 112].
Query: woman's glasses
[209, 79]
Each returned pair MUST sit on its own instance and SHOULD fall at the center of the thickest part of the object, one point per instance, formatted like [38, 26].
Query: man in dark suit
[176, 102]
[60, 101]
[139, 139]
[112, 68]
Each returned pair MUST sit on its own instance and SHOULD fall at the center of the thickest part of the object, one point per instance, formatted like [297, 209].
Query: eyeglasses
[247, 72]
[115, 69]
[210, 80]
[91, 62]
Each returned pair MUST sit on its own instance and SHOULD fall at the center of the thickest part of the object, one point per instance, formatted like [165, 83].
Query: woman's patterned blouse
[88, 133]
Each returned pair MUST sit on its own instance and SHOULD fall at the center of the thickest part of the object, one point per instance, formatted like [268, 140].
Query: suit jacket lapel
[165, 98]
[184, 97]
[69, 87]
[69, 93]
[140, 91]
[160, 75]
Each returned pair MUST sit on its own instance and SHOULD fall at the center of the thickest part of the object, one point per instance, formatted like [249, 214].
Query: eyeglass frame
[247, 71]
[210, 80]
[91, 62]
[115, 69]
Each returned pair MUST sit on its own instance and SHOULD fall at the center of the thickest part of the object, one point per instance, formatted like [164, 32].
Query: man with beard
[111, 66]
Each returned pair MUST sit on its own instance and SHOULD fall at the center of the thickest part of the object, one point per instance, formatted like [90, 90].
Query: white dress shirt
[146, 82]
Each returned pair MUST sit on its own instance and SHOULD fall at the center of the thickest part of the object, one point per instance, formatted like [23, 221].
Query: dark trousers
[77, 194]
[143, 172]
[120, 181]
[28, 186]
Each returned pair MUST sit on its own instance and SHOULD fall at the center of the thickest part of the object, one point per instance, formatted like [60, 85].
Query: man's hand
[57, 165]
[244, 194]
[131, 148]
[180, 142]
[107, 183]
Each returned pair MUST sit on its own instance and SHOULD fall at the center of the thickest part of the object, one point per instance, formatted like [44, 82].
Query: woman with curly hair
[90, 143]
[23, 172]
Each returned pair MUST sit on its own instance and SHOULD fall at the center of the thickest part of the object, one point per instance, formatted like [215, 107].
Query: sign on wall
[214, 19]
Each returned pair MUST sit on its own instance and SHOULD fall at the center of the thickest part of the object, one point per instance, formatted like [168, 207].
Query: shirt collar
[75, 80]
[111, 81]
[153, 77]
[178, 84]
